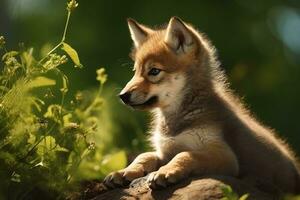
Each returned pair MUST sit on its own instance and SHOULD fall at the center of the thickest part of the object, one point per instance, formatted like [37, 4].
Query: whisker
[128, 64]
[117, 90]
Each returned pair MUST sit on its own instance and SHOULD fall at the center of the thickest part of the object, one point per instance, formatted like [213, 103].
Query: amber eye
[154, 72]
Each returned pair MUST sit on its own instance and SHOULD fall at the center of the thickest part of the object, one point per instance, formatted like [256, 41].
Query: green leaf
[65, 80]
[114, 162]
[27, 57]
[15, 177]
[41, 81]
[46, 145]
[228, 193]
[59, 148]
[72, 53]
[244, 197]
[67, 119]
[9, 55]
[38, 103]
[49, 144]
[54, 112]
[3, 88]
[31, 139]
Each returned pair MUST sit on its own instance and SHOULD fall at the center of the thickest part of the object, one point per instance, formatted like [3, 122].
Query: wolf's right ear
[138, 32]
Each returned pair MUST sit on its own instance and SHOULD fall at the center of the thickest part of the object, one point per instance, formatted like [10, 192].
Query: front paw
[164, 176]
[122, 177]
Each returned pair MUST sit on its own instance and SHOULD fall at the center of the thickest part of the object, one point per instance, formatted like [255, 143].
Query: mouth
[150, 102]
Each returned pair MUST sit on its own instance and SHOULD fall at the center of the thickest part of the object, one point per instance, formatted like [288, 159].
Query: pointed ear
[138, 32]
[178, 36]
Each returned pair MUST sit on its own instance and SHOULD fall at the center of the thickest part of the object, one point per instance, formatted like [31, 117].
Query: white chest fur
[189, 140]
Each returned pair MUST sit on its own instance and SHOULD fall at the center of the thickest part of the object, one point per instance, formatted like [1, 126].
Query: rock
[201, 188]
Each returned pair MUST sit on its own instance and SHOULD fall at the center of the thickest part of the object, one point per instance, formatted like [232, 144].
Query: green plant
[292, 197]
[46, 144]
[229, 194]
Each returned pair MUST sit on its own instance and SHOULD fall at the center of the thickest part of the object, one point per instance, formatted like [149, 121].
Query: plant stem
[84, 153]
[62, 39]
[66, 26]
[50, 52]
[94, 101]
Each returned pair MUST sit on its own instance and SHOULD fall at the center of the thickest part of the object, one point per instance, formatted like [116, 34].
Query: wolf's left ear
[138, 32]
[178, 36]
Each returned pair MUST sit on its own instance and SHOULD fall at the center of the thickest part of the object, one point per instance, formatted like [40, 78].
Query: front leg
[142, 164]
[214, 160]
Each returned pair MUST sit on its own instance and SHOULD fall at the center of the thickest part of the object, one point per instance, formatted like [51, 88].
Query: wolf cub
[200, 127]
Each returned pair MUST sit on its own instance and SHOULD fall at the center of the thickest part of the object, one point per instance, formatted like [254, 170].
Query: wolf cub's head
[162, 58]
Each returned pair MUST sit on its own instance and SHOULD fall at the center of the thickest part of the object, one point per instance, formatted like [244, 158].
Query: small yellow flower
[71, 127]
[92, 146]
[2, 42]
[101, 75]
[72, 5]
[54, 61]
[79, 96]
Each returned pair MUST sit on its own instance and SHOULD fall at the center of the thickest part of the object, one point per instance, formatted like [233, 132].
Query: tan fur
[199, 127]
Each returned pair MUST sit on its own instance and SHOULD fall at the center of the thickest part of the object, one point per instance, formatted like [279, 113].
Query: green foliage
[291, 197]
[2, 42]
[47, 146]
[72, 53]
[229, 194]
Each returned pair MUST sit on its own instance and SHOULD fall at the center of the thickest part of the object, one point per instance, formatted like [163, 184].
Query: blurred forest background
[258, 43]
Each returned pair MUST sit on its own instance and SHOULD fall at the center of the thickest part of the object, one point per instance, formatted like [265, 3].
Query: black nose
[125, 97]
